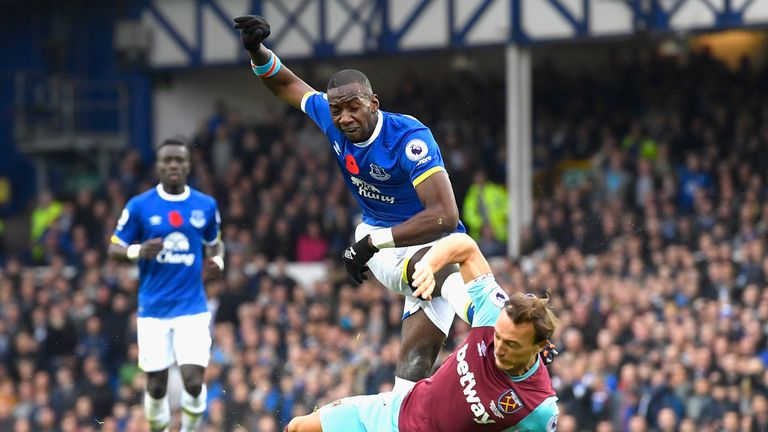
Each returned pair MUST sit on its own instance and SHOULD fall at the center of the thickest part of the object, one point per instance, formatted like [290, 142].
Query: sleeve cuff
[213, 242]
[117, 240]
[423, 176]
[304, 100]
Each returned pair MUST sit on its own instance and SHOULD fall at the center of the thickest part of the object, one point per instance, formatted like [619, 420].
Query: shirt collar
[171, 197]
[375, 133]
[528, 373]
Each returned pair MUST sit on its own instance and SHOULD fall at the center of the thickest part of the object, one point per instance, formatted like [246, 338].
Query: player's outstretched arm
[456, 248]
[267, 65]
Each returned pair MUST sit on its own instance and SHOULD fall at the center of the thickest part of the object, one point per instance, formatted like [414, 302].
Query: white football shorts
[389, 266]
[181, 340]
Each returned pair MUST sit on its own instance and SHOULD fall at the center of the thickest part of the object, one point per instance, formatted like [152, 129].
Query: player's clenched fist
[253, 30]
[150, 248]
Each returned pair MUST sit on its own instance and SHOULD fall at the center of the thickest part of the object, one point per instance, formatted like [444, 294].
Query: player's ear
[188, 160]
[374, 103]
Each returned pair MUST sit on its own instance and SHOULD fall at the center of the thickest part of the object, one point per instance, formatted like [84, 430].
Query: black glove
[548, 353]
[253, 30]
[356, 256]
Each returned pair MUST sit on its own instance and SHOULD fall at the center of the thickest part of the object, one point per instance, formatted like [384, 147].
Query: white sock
[454, 290]
[158, 412]
[402, 385]
[192, 409]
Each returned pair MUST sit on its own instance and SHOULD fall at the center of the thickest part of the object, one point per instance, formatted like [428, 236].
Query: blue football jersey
[171, 284]
[383, 171]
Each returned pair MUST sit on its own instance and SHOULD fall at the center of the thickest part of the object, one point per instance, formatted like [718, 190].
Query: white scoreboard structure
[189, 33]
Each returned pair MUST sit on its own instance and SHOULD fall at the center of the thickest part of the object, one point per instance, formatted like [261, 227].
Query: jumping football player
[393, 167]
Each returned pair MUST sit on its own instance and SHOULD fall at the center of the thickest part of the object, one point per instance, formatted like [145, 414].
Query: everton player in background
[493, 381]
[172, 232]
[393, 167]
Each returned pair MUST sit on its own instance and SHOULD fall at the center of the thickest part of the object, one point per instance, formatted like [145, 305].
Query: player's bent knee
[157, 383]
[416, 257]
[193, 385]
[193, 376]
[193, 389]
[440, 275]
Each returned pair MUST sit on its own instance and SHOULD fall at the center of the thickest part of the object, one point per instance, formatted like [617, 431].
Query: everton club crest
[378, 173]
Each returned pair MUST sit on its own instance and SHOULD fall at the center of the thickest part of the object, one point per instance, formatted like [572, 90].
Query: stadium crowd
[649, 235]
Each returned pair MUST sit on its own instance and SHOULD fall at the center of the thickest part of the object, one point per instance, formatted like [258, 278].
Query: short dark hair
[522, 308]
[350, 76]
[175, 141]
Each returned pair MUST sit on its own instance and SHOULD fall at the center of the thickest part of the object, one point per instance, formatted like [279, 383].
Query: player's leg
[193, 397]
[192, 347]
[421, 343]
[426, 324]
[156, 406]
[155, 357]
[388, 267]
[368, 413]
[423, 335]
[421, 339]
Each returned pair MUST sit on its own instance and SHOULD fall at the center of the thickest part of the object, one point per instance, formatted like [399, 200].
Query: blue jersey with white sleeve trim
[383, 171]
[171, 284]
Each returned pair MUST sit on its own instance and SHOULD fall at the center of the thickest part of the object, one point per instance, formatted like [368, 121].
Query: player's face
[353, 112]
[173, 165]
[513, 345]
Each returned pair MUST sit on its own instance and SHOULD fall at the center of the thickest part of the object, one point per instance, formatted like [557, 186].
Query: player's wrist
[382, 238]
[364, 249]
[269, 68]
[133, 252]
[219, 261]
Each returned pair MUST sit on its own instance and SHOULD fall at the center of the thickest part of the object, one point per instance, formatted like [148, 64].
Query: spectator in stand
[486, 203]
[45, 213]
[311, 245]
[692, 180]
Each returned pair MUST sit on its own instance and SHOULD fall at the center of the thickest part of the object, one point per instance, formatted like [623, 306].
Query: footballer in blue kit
[173, 233]
[393, 167]
[383, 171]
